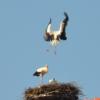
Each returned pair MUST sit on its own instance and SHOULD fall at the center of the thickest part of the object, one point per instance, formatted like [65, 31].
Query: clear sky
[22, 47]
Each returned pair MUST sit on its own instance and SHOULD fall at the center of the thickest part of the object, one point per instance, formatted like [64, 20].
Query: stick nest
[60, 91]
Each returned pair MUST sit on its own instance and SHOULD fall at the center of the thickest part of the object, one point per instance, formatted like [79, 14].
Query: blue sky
[22, 48]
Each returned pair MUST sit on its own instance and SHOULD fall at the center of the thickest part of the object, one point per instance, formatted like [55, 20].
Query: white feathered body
[55, 41]
[41, 71]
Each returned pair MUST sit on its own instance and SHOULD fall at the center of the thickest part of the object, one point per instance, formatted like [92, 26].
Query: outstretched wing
[47, 34]
[63, 27]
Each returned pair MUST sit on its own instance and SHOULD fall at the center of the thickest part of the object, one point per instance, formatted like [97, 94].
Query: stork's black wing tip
[66, 15]
[63, 37]
[36, 74]
[50, 21]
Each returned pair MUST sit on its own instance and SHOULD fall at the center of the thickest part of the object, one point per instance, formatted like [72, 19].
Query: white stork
[55, 36]
[41, 72]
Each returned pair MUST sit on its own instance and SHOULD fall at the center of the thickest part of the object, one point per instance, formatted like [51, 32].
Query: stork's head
[46, 65]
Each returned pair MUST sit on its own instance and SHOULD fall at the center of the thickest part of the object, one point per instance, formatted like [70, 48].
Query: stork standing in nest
[54, 37]
[41, 72]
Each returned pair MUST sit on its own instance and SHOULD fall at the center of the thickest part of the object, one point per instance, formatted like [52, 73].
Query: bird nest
[59, 91]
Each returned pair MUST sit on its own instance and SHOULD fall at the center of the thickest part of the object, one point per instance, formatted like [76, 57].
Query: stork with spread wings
[54, 37]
